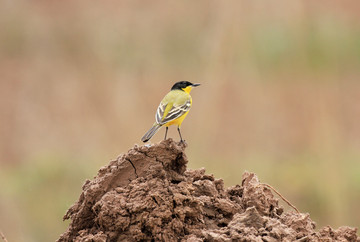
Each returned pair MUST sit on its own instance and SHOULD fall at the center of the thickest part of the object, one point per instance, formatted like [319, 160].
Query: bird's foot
[182, 142]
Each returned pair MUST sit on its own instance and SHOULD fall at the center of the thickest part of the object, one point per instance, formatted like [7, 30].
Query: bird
[173, 109]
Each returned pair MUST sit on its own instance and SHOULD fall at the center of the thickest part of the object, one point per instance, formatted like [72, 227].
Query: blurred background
[81, 81]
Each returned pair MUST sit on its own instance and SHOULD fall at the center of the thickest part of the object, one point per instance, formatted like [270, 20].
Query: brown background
[80, 83]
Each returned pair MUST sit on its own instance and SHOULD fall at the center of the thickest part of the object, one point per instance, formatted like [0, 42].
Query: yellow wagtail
[173, 109]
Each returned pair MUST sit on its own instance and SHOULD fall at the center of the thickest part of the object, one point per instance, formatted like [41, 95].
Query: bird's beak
[196, 84]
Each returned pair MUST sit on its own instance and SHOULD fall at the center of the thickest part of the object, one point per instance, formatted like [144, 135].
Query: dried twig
[3, 237]
[279, 194]
[132, 166]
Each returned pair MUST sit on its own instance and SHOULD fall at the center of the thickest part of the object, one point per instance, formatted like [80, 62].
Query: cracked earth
[161, 200]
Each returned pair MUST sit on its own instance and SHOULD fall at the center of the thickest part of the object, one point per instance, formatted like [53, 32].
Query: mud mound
[162, 201]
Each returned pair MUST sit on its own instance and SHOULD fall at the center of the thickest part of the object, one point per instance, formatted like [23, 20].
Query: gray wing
[174, 113]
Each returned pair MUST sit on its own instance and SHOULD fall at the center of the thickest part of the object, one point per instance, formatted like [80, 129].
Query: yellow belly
[177, 121]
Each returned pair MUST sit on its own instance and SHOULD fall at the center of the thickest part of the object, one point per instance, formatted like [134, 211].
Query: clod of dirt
[162, 201]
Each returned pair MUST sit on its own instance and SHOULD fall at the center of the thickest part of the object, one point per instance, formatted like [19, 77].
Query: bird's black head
[183, 84]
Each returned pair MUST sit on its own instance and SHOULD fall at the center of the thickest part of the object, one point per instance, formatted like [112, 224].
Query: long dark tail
[151, 133]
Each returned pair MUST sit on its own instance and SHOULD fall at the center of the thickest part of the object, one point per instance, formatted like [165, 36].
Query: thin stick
[3, 237]
[279, 194]
[132, 166]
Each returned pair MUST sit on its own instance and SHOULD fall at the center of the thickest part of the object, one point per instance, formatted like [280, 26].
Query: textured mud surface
[163, 201]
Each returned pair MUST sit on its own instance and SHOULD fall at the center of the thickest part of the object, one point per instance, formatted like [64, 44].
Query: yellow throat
[187, 89]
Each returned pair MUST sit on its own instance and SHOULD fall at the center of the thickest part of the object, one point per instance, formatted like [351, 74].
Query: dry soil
[163, 201]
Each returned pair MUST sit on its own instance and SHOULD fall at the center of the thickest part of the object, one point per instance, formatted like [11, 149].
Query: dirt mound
[162, 201]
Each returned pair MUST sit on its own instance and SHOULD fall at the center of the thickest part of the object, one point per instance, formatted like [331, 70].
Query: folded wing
[167, 112]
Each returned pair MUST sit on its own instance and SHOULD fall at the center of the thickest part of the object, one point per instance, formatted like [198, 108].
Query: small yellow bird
[173, 109]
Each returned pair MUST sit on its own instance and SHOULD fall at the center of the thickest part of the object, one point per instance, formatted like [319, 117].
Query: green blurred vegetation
[80, 83]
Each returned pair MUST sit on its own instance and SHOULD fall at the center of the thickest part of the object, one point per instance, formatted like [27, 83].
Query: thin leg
[181, 140]
[166, 132]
